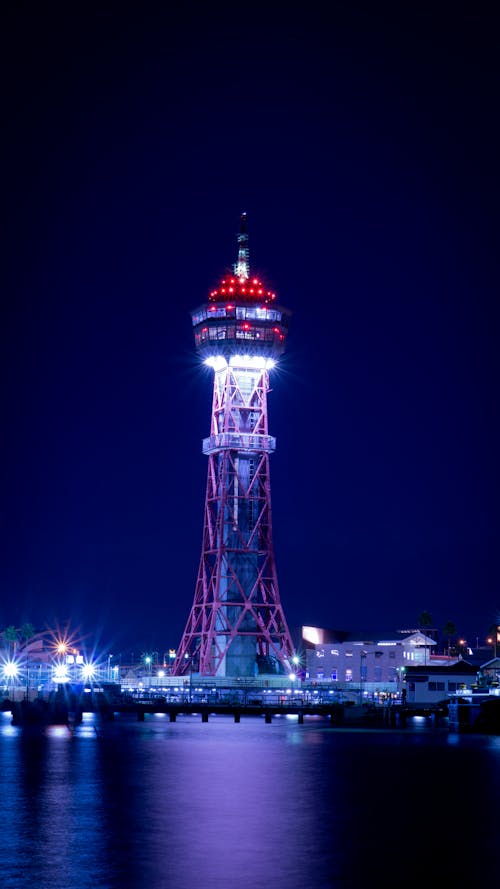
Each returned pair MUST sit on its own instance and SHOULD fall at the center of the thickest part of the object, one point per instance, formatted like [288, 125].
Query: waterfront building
[434, 683]
[399, 664]
[237, 626]
[490, 672]
[371, 661]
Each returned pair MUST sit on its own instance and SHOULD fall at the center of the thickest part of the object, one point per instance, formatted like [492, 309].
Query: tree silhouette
[11, 636]
[425, 619]
[26, 632]
[449, 630]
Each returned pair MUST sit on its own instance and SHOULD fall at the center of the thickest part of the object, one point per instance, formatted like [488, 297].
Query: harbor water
[220, 805]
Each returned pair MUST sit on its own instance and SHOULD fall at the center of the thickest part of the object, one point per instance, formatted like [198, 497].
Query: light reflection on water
[241, 806]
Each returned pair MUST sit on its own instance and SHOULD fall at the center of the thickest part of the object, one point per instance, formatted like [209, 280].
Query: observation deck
[240, 318]
[239, 441]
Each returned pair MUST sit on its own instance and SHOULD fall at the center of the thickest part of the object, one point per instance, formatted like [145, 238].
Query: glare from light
[248, 362]
[10, 670]
[57, 731]
[292, 676]
[258, 362]
[217, 362]
[313, 635]
[60, 673]
[88, 671]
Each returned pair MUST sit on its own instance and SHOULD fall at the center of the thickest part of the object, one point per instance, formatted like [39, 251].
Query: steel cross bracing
[237, 625]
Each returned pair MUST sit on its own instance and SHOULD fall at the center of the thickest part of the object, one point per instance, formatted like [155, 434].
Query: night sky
[362, 141]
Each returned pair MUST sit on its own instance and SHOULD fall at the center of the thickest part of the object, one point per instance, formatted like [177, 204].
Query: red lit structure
[237, 626]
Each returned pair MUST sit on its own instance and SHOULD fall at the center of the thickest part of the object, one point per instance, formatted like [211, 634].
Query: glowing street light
[88, 671]
[10, 670]
[60, 673]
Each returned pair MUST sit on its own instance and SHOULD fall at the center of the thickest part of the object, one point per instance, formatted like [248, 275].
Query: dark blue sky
[362, 140]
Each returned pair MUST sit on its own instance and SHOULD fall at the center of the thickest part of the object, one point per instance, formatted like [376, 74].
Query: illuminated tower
[237, 626]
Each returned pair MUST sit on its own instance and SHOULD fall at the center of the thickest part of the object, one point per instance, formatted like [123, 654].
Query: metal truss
[237, 625]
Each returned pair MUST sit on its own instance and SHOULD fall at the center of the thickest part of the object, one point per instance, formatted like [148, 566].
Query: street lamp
[88, 671]
[109, 666]
[186, 657]
[362, 673]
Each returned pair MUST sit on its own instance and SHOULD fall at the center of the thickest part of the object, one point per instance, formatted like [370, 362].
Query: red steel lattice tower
[237, 626]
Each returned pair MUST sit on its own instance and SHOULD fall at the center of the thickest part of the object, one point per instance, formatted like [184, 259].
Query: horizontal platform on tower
[239, 441]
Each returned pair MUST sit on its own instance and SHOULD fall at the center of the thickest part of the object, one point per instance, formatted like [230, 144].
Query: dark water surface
[246, 806]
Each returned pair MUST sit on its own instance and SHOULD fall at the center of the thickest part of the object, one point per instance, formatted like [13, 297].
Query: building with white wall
[372, 663]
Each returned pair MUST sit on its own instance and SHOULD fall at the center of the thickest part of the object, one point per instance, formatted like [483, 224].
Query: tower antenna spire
[241, 267]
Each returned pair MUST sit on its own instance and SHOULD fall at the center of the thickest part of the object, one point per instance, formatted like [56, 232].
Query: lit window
[348, 675]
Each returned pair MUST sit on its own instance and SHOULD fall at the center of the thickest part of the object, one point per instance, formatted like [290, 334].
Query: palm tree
[425, 619]
[26, 632]
[11, 636]
[449, 630]
[424, 622]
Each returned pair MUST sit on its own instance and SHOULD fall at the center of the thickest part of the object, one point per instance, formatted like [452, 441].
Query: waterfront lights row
[250, 362]
[61, 671]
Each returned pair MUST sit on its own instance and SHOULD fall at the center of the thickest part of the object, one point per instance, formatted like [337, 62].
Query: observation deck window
[243, 313]
[216, 312]
[217, 333]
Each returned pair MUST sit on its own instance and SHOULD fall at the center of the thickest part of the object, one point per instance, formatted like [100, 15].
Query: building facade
[372, 663]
